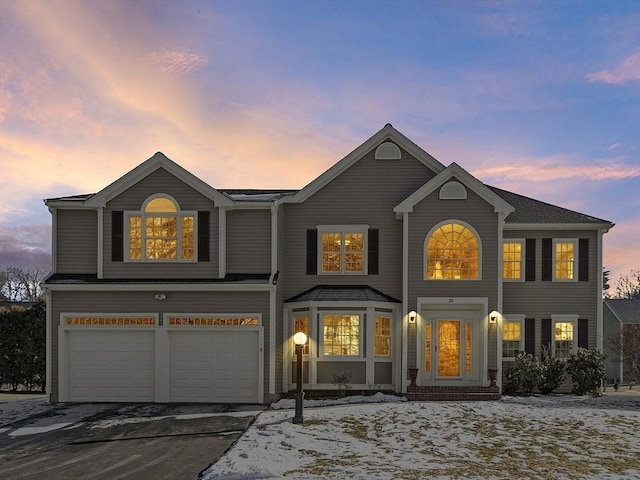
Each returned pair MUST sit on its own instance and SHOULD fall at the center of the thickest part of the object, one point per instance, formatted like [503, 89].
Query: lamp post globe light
[300, 339]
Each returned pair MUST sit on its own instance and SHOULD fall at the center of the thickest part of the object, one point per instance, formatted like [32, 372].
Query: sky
[541, 98]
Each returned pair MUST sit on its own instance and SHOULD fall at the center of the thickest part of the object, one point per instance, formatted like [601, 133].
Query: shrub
[523, 376]
[551, 372]
[586, 368]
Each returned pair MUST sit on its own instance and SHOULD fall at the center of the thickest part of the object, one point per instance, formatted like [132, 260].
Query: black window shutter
[204, 233]
[117, 236]
[583, 333]
[373, 251]
[530, 335]
[530, 260]
[546, 332]
[547, 259]
[583, 260]
[312, 252]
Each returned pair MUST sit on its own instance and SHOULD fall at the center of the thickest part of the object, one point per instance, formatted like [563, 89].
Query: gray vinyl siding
[365, 193]
[77, 241]
[542, 299]
[143, 302]
[189, 199]
[249, 241]
[474, 211]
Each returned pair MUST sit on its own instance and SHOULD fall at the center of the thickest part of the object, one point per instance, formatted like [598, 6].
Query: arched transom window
[452, 253]
[161, 231]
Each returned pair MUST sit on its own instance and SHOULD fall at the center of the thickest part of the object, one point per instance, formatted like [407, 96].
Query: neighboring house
[166, 289]
[621, 329]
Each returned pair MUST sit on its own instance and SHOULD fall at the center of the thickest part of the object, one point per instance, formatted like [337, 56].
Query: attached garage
[184, 358]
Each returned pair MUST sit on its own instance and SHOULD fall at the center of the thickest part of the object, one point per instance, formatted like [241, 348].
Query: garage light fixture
[160, 296]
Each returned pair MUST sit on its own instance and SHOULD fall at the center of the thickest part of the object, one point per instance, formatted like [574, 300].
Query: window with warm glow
[563, 339]
[341, 335]
[301, 324]
[453, 253]
[512, 260]
[382, 337]
[564, 259]
[161, 232]
[342, 252]
[511, 338]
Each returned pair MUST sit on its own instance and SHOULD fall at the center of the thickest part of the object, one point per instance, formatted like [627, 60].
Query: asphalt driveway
[121, 441]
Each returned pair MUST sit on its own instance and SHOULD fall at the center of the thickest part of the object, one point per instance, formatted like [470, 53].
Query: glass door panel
[449, 348]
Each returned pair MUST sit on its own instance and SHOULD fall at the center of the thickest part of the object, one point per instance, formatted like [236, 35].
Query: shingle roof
[627, 311]
[89, 278]
[529, 210]
[343, 293]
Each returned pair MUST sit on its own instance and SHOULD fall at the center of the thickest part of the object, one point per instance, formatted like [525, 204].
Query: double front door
[450, 345]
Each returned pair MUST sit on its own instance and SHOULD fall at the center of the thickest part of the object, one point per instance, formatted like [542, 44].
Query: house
[406, 274]
[621, 325]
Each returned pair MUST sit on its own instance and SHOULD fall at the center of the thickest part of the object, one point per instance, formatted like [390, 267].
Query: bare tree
[628, 285]
[627, 349]
[23, 285]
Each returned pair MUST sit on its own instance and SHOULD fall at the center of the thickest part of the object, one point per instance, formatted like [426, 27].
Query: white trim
[48, 338]
[405, 304]
[454, 170]
[599, 307]
[154, 287]
[159, 160]
[100, 253]
[425, 259]
[523, 255]
[274, 240]
[54, 239]
[178, 215]
[343, 230]
[272, 341]
[576, 254]
[559, 226]
[564, 318]
[512, 318]
[386, 133]
[222, 242]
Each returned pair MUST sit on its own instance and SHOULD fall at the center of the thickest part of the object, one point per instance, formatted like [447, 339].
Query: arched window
[161, 231]
[452, 252]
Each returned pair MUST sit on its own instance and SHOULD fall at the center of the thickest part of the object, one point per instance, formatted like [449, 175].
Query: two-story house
[405, 275]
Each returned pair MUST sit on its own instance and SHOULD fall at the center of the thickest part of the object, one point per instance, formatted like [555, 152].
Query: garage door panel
[111, 365]
[211, 366]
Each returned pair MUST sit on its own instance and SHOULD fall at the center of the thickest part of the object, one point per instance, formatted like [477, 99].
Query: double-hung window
[565, 334]
[161, 232]
[343, 249]
[301, 324]
[512, 260]
[512, 337]
[565, 260]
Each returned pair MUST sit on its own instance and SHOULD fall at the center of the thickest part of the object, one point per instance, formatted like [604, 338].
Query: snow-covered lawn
[539, 437]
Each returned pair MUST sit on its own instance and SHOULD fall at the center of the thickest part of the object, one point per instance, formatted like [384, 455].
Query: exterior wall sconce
[493, 317]
[300, 339]
[160, 297]
[412, 316]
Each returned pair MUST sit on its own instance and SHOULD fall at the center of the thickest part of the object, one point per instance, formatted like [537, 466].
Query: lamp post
[299, 339]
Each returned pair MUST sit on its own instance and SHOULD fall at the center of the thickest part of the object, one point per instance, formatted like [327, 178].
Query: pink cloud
[543, 171]
[626, 71]
[175, 62]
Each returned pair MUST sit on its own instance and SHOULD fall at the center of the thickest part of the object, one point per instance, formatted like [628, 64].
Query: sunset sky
[541, 98]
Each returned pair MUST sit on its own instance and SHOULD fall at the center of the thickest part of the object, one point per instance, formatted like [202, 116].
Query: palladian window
[452, 253]
[161, 232]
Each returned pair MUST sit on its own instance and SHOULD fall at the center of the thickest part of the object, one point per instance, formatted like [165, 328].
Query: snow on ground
[559, 437]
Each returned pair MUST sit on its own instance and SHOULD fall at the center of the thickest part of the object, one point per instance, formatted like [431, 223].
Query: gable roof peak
[158, 160]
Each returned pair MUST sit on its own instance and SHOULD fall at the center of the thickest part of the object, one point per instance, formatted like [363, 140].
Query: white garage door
[110, 365]
[214, 365]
